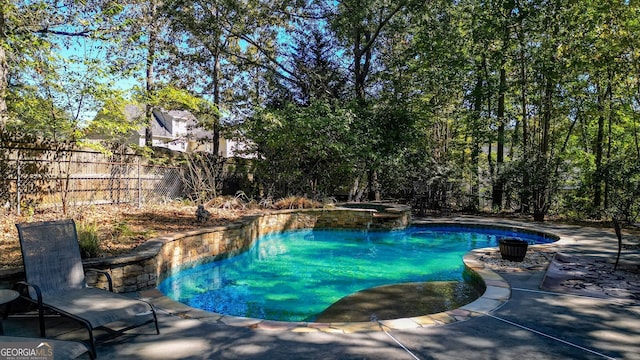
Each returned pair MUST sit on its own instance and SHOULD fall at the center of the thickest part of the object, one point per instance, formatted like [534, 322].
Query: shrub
[88, 240]
[296, 202]
[238, 202]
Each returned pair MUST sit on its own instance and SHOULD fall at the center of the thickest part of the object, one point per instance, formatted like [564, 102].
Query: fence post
[18, 184]
[139, 185]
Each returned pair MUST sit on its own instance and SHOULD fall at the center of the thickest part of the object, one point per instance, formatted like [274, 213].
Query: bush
[88, 240]
[238, 202]
[296, 202]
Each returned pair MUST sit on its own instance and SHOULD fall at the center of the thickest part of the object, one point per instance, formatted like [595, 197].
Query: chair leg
[155, 320]
[93, 353]
[7, 309]
[41, 321]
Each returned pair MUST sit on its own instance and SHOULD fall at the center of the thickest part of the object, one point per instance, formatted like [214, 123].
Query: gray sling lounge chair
[55, 281]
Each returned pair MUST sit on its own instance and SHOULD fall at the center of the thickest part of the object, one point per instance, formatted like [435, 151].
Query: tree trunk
[4, 70]
[546, 117]
[216, 101]
[606, 174]
[361, 62]
[374, 186]
[598, 151]
[542, 188]
[475, 147]
[150, 75]
[525, 192]
[355, 194]
[498, 186]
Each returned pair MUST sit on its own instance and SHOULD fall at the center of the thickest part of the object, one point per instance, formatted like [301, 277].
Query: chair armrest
[103, 272]
[22, 287]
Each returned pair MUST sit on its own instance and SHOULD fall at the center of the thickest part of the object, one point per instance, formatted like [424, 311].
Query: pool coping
[497, 293]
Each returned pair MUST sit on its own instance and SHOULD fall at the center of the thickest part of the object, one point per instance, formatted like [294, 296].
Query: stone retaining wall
[161, 257]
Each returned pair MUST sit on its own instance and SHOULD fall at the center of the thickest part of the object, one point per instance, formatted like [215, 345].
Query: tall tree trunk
[373, 185]
[636, 136]
[150, 75]
[525, 193]
[362, 51]
[216, 100]
[541, 190]
[216, 52]
[498, 186]
[606, 174]
[475, 147]
[489, 110]
[546, 117]
[598, 151]
[362, 59]
[4, 70]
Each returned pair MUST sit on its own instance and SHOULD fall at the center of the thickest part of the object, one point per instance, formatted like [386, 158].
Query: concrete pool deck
[527, 323]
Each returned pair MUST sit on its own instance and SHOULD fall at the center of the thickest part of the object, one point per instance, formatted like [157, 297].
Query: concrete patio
[532, 324]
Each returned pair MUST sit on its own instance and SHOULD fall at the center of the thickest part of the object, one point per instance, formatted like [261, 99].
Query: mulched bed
[121, 228]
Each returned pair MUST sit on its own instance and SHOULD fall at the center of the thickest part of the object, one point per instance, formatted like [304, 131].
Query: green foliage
[50, 88]
[170, 97]
[450, 102]
[89, 240]
[303, 150]
[33, 114]
[115, 124]
[122, 230]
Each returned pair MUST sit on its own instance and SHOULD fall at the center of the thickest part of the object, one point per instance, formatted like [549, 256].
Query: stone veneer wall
[161, 257]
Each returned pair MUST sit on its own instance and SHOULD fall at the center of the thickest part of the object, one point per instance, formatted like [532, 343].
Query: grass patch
[88, 240]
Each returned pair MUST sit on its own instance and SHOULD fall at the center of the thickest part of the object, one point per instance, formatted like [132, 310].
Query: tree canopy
[506, 105]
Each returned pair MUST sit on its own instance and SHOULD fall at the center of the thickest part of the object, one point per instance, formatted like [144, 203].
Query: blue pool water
[295, 275]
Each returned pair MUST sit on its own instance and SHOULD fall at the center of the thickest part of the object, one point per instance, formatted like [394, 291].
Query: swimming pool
[295, 275]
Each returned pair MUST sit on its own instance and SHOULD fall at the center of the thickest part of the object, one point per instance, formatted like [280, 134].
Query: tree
[302, 150]
[32, 35]
[359, 26]
[219, 43]
[316, 66]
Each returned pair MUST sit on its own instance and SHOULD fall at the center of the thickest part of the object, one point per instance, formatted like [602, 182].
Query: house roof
[163, 121]
[161, 125]
[194, 131]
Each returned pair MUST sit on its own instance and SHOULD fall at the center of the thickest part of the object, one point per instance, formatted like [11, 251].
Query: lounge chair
[55, 281]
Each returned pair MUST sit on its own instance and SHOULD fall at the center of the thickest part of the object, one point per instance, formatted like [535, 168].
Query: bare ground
[120, 228]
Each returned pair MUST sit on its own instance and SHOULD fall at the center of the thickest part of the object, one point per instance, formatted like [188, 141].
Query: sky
[77, 74]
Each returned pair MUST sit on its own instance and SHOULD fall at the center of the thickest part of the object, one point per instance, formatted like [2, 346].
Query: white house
[176, 130]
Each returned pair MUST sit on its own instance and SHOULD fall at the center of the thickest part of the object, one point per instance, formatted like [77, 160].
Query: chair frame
[23, 288]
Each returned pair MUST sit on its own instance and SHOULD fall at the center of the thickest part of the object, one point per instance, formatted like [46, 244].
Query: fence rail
[43, 178]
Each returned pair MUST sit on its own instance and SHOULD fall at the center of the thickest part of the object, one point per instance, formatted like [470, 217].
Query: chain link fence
[37, 178]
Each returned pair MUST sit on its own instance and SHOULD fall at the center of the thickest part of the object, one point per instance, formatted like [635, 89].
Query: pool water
[295, 275]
